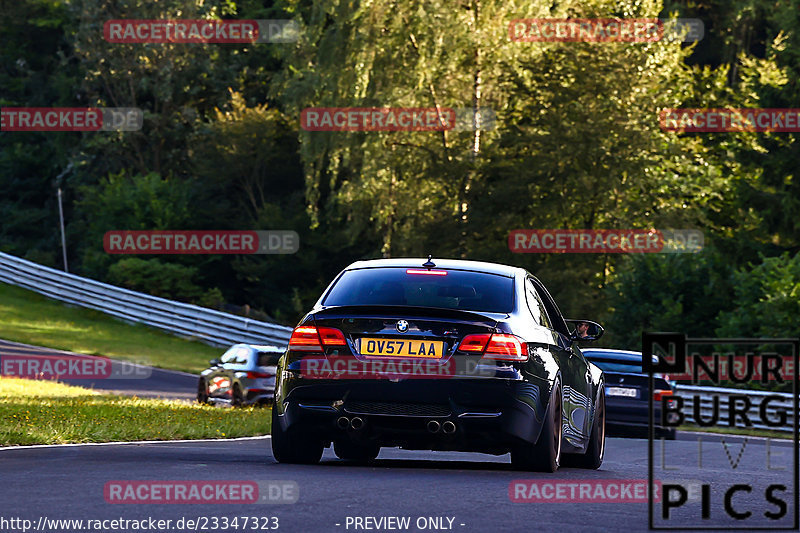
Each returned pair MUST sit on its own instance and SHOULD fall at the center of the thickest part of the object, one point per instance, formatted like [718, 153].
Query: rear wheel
[351, 451]
[202, 392]
[595, 452]
[291, 447]
[668, 434]
[545, 455]
[237, 399]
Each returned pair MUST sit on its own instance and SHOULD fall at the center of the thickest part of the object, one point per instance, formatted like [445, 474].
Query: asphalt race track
[126, 378]
[434, 491]
[472, 490]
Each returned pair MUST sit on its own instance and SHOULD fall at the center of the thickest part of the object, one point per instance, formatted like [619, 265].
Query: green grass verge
[28, 317]
[46, 412]
[755, 432]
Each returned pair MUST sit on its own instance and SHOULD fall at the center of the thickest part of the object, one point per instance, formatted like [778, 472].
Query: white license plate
[622, 391]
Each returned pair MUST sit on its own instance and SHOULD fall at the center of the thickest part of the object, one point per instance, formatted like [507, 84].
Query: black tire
[348, 450]
[291, 447]
[596, 450]
[545, 455]
[668, 434]
[202, 392]
[237, 399]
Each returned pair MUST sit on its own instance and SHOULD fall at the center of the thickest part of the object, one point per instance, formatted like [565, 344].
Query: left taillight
[313, 339]
[499, 346]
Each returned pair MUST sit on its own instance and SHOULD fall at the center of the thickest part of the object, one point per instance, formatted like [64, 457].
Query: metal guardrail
[224, 329]
[213, 327]
[705, 398]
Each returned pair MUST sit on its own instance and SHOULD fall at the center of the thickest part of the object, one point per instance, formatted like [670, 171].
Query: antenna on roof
[429, 264]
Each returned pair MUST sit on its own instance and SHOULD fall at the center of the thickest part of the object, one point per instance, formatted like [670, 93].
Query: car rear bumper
[632, 415]
[489, 415]
[259, 396]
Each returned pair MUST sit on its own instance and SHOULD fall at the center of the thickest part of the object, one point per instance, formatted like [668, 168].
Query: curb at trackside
[127, 443]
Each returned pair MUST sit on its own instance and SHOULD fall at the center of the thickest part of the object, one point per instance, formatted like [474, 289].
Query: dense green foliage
[577, 144]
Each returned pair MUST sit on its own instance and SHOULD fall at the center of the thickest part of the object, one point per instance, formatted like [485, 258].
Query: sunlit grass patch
[45, 412]
[28, 317]
[754, 432]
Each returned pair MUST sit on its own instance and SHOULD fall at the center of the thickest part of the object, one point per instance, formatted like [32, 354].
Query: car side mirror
[214, 362]
[584, 330]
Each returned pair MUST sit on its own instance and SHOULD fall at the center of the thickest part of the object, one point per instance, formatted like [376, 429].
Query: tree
[667, 292]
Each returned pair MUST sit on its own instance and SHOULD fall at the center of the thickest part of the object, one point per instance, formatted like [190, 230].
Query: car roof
[452, 264]
[262, 347]
[610, 354]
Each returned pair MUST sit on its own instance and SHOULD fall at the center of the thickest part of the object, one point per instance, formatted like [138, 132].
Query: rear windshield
[455, 289]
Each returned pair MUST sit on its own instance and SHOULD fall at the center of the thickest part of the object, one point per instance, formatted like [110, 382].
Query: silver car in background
[244, 375]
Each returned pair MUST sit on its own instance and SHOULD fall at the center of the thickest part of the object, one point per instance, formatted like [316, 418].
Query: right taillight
[667, 394]
[506, 348]
[658, 394]
[500, 346]
[474, 343]
[312, 338]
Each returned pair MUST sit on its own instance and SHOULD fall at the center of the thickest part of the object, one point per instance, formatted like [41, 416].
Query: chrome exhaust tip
[434, 426]
[342, 422]
[356, 423]
[448, 428]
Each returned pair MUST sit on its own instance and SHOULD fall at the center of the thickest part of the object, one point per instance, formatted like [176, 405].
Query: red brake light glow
[500, 346]
[658, 394]
[312, 338]
[304, 338]
[506, 348]
[474, 343]
[331, 337]
[426, 272]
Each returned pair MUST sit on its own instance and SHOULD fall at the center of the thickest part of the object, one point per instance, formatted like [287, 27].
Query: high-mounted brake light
[500, 346]
[312, 338]
[426, 272]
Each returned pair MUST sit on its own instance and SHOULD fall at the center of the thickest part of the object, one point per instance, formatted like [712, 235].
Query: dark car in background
[244, 375]
[627, 393]
[439, 355]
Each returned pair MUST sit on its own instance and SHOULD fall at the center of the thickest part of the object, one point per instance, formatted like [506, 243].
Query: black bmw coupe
[439, 355]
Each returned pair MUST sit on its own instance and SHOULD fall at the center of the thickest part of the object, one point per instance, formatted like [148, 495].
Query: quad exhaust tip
[342, 422]
[448, 428]
[356, 423]
[434, 426]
